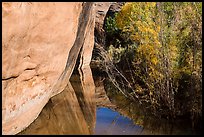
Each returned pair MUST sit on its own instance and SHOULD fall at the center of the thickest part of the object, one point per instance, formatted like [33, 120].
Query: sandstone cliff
[40, 44]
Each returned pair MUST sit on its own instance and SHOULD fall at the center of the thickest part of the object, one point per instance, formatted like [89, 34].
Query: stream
[84, 108]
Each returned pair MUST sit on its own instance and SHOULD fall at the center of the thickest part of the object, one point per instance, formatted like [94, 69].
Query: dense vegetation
[158, 48]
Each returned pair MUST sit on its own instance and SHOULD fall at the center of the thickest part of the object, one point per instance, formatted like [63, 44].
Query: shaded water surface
[74, 111]
[110, 122]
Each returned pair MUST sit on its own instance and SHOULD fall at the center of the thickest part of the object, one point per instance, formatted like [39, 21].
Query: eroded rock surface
[100, 12]
[40, 46]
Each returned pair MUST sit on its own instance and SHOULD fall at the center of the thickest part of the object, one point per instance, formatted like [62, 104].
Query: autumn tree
[167, 41]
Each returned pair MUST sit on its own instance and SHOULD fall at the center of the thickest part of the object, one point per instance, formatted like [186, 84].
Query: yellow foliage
[157, 38]
[135, 18]
[154, 60]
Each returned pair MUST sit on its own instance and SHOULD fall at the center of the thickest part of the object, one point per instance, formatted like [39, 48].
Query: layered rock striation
[40, 45]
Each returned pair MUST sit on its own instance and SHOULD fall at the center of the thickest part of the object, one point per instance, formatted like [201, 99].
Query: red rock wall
[36, 42]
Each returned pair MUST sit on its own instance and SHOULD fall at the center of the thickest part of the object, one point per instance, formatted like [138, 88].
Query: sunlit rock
[37, 42]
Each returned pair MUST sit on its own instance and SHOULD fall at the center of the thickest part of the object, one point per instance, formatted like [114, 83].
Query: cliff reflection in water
[73, 111]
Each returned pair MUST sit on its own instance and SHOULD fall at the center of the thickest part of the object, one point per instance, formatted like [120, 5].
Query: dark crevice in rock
[12, 77]
[81, 35]
[29, 69]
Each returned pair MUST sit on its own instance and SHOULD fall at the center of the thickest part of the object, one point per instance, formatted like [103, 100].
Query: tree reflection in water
[73, 111]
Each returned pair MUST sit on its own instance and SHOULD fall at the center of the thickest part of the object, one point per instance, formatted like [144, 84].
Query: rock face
[104, 10]
[40, 44]
[101, 11]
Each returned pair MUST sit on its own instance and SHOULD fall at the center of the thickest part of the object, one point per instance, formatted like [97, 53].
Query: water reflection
[74, 112]
[110, 122]
[85, 92]
[142, 117]
[61, 115]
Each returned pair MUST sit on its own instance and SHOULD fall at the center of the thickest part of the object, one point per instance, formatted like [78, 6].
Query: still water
[110, 122]
[77, 110]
